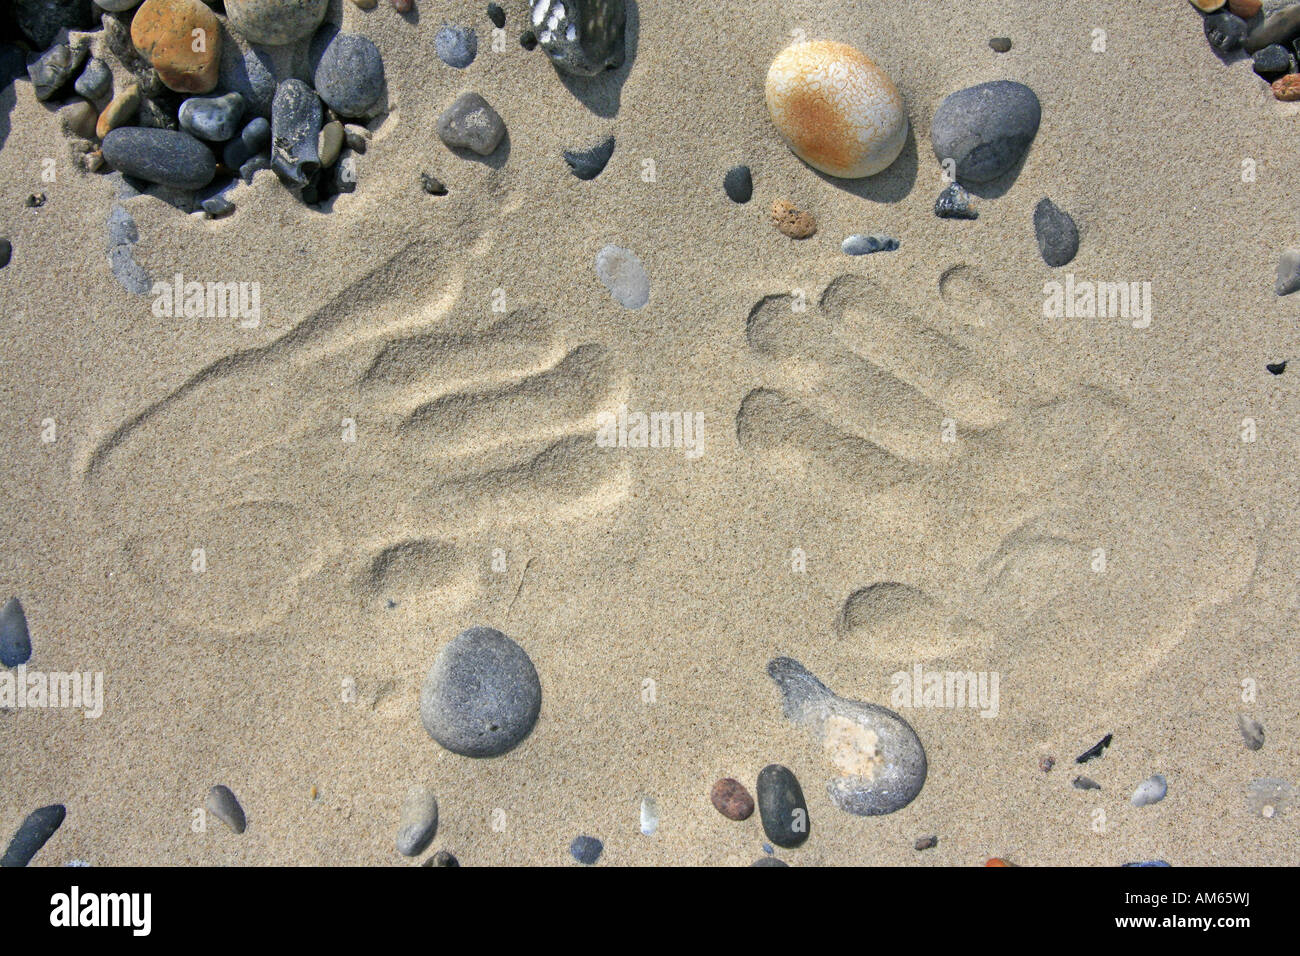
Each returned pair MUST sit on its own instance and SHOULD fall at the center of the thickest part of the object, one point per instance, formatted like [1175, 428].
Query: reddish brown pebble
[1287, 88]
[402, 6]
[1208, 6]
[1046, 763]
[732, 799]
[1246, 9]
[791, 221]
[926, 842]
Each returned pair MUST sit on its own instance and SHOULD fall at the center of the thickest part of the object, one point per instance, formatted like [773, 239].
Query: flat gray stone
[986, 130]
[1058, 236]
[418, 822]
[223, 805]
[470, 123]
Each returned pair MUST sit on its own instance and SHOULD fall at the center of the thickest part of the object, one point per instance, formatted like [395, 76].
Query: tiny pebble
[731, 799]
[955, 203]
[866, 245]
[586, 849]
[1288, 272]
[1096, 750]
[357, 138]
[1085, 783]
[791, 221]
[1150, 790]
[1000, 44]
[1252, 731]
[589, 163]
[1058, 236]
[35, 200]
[926, 842]
[1276, 368]
[402, 6]
[649, 816]
[1287, 88]
[441, 858]
[528, 40]
[738, 184]
[15, 641]
[496, 15]
[1046, 763]
[432, 185]
[223, 805]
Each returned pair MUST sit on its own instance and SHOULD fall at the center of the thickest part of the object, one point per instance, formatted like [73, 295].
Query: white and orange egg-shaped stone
[836, 109]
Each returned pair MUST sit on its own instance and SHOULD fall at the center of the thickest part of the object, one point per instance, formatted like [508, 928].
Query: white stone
[624, 276]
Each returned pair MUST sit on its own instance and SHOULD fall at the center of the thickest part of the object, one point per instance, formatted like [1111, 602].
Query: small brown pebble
[1208, 6]
[792, 222]
[731, 799]
[1287, 88]
[93, 161]
[1000, 44]
[120, 111]
[402, 6]
[926, 842]
[1046, 763]
[1246, 9]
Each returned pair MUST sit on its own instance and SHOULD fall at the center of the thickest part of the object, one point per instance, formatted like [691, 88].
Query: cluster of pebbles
[1267, 31]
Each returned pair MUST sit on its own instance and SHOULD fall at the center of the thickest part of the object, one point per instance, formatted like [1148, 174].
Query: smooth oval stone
[275, 22]
[15, 640]
[878, 755]
[496, 15]
[32, 834]
[986, 130]
[331, 143]
[470, 123]
[166, 157]
[1270, 63]
[738, 184]
[730, 798]
[181, 39]
[581, 37]
[624, 276]
[456, 46]
[53, 69]
[296, 119]
[586, 849]
[95, 80]
[214, 118]
[1150, 790]
[1225, 31]
[589, 163]
[866, 245]
[481, 696]
[1058, 236]
[1288, 272]
[253, 139]
[782, 807]
[418, 822]
[836, 109]
[223, 805]
[348, 73]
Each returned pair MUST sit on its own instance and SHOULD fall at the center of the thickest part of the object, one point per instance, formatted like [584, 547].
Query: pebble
[36, 200]
[528, 40]
[581, 37]
[120, 111]
[6, 253]
[418, 821]
[348, 73]
[331, 143]
[481, 696]
[586, 849]
[1046, 762]
[163, 33]
[986, 130]
[1288, 272]
[41, 20]
[432, 185]
[769, 861]
[296, 120]
[254, 138]
[275, 22]
[738, 184]
[213, 118]
[80, 120]
[731, 799]
[1225, 31]
[1246, 9]
[859, 245]
[15, 641]
[782, 807]
[649, 816]
[470, 123]
[878, 756]
[217, 202]
[926, 842]
[357, 137]
[95, 80]
[1273, 62]
[456, 46]
[1278, 27]
[1085, 783]
[1269, 797]
[1150, 790]
[52, 70]
[1000, 44]
[792, 221]
[955, 203]
[122, 237]
[1147, 863]
[223, 805]
[836, 109]
[1096, 750]
[1276, 368]
[160, 156]
[32, 834]
[496, 15]
[1252, 732]
[254, 165]
[624, 276]
[590, 162]
[1287, 88]
[1058, 236]
[442, 859]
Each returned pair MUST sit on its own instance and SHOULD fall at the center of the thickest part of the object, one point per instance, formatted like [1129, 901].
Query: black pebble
[739, 184]
[1273, 62]
[32, 834]
[1225, 31]
[590, 163]
[954, 203]
[1000, 44]
[528, 40]
[1277, 368]
[782, 807]
[1095, 750]
[36, 200]
[6, 252]
[434, 187]
[496, 15]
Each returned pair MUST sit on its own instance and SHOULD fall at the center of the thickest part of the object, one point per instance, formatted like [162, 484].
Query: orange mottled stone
[791, 220]
[181, 39]
[1287, 87]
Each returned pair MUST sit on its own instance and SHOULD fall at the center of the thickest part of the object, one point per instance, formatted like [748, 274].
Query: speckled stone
[470, 123]
[456, 46]
[160, 156]
[275, 22]
[54, 69]
[1058, 236]
[860, 245]
[581, 37]
[348, 73]
[730, 798]
[792, 221]
[296, 120]
[15, 640]
[586, 849]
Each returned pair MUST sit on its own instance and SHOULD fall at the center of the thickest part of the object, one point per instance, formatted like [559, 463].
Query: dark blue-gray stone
[54, 69]
[586, 849]
[253, 166]
[347, 71]
[866, 245]
[986, 130]
[954, 203]
[95, 80]
[1273, 62]
[32, 834]
[223, 805]
[738, 184]
[213, 118]
[216, 201]
[296, 118]
[6, 252]
[782, 807]
[162, 156]
[769, 861]
[15, 641]
[582, 37]
[481, 696]
[590, 162]
[253, 139]
[41, 20]
[1225, 31]
[456, 46]
[1058, 236]
[496, 14]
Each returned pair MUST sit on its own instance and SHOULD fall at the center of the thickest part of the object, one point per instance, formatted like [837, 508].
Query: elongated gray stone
[418, 822]
[15, 641]
[1277, 27]
[1058, 236]
[52, 70]
[782, 807]
[32, 834]
[162, 156]
[223, 805]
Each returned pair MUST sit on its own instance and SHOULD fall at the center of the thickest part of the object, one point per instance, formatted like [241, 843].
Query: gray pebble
[165, 157]
[432, 185]
[456, 46]
[1000, 44]
[866, 245]
[1085, 783]
[32, 834]
[986, 129]
[1288, 272]
[1273, 61]
[1225, 31]
[15, 641]
[441, 859]
[213, 118]
[356, 137]
[582, 37]
[586, 849]
[1278, 27]
[331, 142]
[95, 80]
[52, 70]
[343, 174]
[623, 274]
[348, 73]
[782, 807]
[253, 139]
[481, 696]
[880, 755]
[496, 15]
[253, 166]
[418, 822]
[296, 119]
[223, 805]
[590, 162]
[1252, 732]
[738, 184]
[1150, 790]
[1058, 236]
[470, 123]
[955, 203]
[216, 202]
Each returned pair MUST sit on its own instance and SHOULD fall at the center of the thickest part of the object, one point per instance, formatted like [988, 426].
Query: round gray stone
[470, 123]
[482, 695]
[348, 73]
[456, 46]
[986, 130]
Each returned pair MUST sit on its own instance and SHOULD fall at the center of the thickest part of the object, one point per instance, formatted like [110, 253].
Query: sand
[651, 588]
